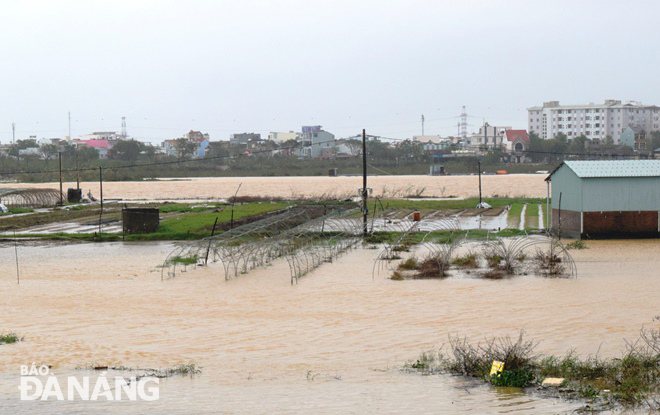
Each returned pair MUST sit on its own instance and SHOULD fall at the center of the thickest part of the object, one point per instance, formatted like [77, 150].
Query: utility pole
[486, 134]
[61, 194]
[13, 133]
[365, 195]
[69, 125]
[77, 172]
[464, 124]
[479, 164]
[422, 124]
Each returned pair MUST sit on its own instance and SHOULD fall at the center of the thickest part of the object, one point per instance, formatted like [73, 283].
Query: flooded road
[334, 343]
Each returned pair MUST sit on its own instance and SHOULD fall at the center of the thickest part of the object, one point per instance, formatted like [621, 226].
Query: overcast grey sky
[233, 66]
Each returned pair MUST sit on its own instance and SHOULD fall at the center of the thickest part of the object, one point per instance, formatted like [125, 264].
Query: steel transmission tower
[464, 124]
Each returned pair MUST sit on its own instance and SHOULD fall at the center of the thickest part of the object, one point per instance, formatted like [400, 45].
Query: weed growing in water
[409, 264]
[432, 267]
[632, 380]
[577, 245]
[397, 276]
[467, 261]
[8, 338]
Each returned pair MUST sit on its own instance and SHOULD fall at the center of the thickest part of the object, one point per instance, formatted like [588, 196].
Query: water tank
[73, 195]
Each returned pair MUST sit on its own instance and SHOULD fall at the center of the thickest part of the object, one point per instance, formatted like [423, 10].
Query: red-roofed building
[103, 145]
[516, 142]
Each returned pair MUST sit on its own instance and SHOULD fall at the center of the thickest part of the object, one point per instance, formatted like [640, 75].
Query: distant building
[613, 198]
[169, 147]
[431, 144]
[488, 136]
[30, 151]
[102, 145]
[422, 139]
[516, 142]
[103, 135]
[201, 141]
[595, 121]
[627, 138]
[283, 136]
[243, 138]
[313, 140]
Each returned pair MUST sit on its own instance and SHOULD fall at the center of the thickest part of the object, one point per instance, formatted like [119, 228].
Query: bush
[431, 267]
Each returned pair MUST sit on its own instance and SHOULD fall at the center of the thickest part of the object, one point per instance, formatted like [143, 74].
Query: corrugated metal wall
[569, 184]
[619, 194]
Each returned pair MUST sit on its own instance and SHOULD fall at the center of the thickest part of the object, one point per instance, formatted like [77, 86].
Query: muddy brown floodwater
[529, 185]
[332, 344]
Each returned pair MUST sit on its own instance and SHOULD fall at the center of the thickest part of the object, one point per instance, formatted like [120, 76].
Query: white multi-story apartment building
[595, 121]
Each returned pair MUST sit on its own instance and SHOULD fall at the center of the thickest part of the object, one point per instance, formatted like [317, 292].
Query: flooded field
[528, 185]
[334, 343]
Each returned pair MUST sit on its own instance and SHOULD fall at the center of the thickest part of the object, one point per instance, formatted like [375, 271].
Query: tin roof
[612, 168]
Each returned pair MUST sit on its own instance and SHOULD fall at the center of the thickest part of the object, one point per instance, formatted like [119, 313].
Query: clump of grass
[493, 260]
[183, 260]
[495, 274]
[189, 369]
[632, 380]
[431, 267]
[467, 261]
[512, 378]
[426, 361]
[8, 338]
[579, 245]
[17, 210]
[409, 264]
[397, 276]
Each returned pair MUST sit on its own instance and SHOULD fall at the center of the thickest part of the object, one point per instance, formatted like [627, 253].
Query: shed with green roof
[606, 198]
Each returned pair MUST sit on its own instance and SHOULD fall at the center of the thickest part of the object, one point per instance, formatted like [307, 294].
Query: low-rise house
[488, 137]
[313, 140]
[516, 142]
[243, 138]
[102, 145]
